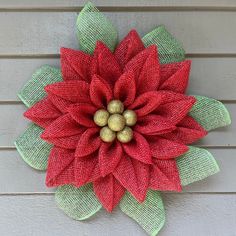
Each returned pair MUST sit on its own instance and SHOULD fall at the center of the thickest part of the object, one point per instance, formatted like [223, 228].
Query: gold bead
[116, 122]
[115, 107]
[130, 117]
[101, 117]
[107, 135]
[125, 135]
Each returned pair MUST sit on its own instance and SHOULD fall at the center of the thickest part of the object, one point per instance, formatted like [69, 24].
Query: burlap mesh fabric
[195, 165]
[33, 91]
[93, 26]
[32, 148]
[78, 203]
[210, 113]
[170, 50]
[150, 214]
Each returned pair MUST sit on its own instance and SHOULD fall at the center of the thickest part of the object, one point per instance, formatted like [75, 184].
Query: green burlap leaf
[92, 26]
[33, 91]
[150, 214]
[32, 148]
[169, 49]
[210, 113]
[78, 203]
[195, 165]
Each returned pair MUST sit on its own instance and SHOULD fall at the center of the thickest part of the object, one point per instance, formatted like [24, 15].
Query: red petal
[175, 106]
[86, 169]
[62, 127]
[88, 143]
[75, 65]
[109, 156]
[71, 90]
[60, 169]
[83, 114]
[153, 125]
[100, 92]
[70, 142]
[146, 103]
[188, 131]
[165, 149]
[125, 88]
[105, 64]
[138, 148]
[59, 102]
[129, 47]
[178, 81]
[43, 113]
[134, 176]
[108, 191]
[146, 68]
[165, 176]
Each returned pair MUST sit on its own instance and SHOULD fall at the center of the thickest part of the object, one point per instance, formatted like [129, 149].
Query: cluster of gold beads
[115, 122]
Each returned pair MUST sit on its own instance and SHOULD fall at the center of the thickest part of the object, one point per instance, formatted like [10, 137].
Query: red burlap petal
[178, 81]
[60, 168]
[129, 47]
[146, 68]
[105, 64]
[174, 106]
[146, 103]
[109, 191]
[138, 148]
[43, 113]
[71, 90]
[63, 126]
[165, 176]
[154, 125]
[134, 176]
[59, 102]
[88, 143]
[187, 131]
[69, 142]
[125, 88]
[100, 92]
[86, 169]
[75, 65]
[165, 149]
[83, 114]
[109, 156]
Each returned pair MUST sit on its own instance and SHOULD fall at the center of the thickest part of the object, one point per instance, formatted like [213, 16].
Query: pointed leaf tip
[78, 203]
[210, 113]
[150, 214]
[169, 49]
[93, 26]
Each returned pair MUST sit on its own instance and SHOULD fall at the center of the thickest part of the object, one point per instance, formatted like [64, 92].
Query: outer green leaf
[92, 26]
[78, 203]
[32, 148]
[150, 214]
[33, 91]
[169, 49]
[210, 113]
[195, 165]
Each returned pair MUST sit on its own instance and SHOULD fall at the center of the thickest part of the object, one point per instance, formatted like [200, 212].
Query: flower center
[115, 122]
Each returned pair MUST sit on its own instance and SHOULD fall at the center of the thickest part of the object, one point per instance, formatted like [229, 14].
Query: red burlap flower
[155, 92]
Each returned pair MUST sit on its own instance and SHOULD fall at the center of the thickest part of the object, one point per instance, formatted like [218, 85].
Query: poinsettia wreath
[113, 126]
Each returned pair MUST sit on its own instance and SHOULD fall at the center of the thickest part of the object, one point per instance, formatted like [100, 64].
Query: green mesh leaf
[195, 165]
[92, 26]
[210, 113]
[78, 203]
[32, 148]
[150, 214]
[33, 91]
[169, 49]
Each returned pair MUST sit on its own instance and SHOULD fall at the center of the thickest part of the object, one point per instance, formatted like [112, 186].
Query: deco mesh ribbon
[113, 126]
